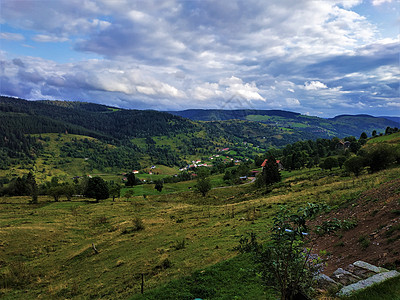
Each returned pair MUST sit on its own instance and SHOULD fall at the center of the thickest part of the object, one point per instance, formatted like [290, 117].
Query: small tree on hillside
[270, 173]
[97, 188]
[33, 187]
[115, 191]
[203, 185]
[354, 165]
[159, 185]
[329, 163]
[131, 179]
[56, 192]
[380, 157]
[68, 190]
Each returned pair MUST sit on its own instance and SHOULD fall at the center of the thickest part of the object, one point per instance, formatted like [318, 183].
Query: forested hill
[220, 114]
[315, 127]
[143, 137]
[90, 119]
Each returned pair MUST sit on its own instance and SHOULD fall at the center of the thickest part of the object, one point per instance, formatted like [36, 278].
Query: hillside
[313, 127]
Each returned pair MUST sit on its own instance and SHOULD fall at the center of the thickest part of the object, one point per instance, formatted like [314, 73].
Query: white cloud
[380, 2]
[292, 102]
[314, 85]
[394, 104]
[43, 38]
[11, 36]
[236, 88]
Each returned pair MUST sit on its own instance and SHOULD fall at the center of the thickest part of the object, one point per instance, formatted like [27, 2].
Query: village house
[280, 166]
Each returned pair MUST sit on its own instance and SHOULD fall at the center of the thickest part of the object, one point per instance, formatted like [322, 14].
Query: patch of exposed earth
[376, 237]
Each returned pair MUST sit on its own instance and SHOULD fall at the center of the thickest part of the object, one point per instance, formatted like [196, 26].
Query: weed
[164, 264]
[392, 229]
[364, 241]
[339, 244]
[180, 244]
[100, 221]
[137, 224]
[18, 275]
[330, 226]
[396, 212]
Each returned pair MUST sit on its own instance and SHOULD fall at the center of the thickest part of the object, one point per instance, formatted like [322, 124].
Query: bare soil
[375, 239]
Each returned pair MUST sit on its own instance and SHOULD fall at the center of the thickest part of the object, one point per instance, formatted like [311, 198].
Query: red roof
[265, 162]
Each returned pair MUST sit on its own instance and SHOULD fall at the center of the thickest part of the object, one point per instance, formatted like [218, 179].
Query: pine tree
[271, 172]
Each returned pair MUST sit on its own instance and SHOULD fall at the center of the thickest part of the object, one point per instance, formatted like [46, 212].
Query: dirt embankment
[376, 237]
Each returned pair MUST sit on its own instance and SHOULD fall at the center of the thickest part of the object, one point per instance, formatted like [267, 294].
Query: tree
[115, 191]
[374, 133]
[329, 163]
[68, 190]
[56, 192]
[354, 165]
[284, 262]
[128, 194]
[97, 188]
[33, 187]
[159, 185]
[270, 173]
[203, 185]
[355, 146]
[363, 136]
[131, 179]
[379, 157]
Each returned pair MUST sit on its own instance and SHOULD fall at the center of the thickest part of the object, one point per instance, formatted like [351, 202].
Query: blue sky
[320, 58]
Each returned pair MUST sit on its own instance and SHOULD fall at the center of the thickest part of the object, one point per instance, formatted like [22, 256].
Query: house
[135, 172]
[343, 145]
[278, 162]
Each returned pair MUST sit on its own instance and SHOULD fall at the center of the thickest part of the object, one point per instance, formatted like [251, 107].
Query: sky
[321, 58]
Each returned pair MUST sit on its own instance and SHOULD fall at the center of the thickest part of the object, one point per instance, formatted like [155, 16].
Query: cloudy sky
[321, 58]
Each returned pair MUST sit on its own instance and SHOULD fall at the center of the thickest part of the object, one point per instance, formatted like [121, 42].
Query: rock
[324, 282]
[364, 265]
[344, 277]
[377, 278]
[360, 272]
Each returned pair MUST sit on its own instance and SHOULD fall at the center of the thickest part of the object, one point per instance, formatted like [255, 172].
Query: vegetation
[284, 262]
[56, 243]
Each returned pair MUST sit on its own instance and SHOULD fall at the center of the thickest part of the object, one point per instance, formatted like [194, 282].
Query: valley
[57, 240]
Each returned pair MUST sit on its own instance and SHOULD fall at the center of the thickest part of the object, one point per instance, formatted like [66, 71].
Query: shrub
[18, 275]
[364, 241]
[137, 224]
[284, 262]
[180, 244]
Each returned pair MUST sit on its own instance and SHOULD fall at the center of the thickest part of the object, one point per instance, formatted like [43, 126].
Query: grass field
[391, 138]
[46, 249]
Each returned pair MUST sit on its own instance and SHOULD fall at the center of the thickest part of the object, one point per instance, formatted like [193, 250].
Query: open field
[49, 245]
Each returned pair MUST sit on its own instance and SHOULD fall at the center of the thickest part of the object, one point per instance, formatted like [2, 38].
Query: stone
[344, 277]
[324, 282]
[377, 278]
[360, 272]
[365, 265]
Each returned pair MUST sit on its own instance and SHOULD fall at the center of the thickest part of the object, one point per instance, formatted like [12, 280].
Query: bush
[18, 275]
[284, 262]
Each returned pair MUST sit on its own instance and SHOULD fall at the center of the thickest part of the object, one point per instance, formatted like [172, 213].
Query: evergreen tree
[131, 179]
[159, 185]
[271, 172]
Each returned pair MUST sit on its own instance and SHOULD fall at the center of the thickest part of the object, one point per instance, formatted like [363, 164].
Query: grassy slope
[53, 240]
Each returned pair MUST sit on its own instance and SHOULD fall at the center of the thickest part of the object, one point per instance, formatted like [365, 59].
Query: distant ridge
[394, 119]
